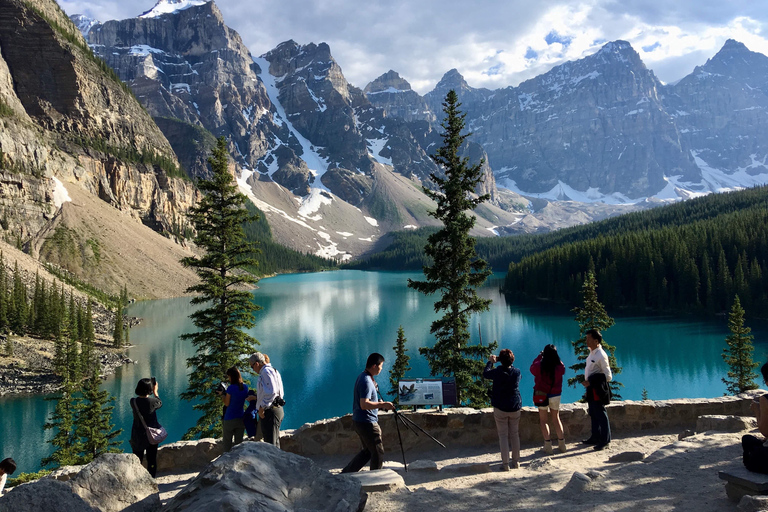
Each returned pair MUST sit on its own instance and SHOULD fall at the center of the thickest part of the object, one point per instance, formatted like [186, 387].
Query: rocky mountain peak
[171, 6]
[619, 52]
[735, 60]
[390, 81]
[83, 23]
[452, 80]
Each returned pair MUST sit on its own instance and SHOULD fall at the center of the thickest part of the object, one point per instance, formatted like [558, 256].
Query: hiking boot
[504, 467]
[561, 445]
[514, 464]
[548, 447]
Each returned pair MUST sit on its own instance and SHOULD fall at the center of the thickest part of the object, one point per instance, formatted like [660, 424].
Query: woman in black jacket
[506, 402]
[147, 406]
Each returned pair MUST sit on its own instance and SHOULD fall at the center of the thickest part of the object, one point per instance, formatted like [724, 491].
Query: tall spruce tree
[456, 271]
[220, 341]
[19, 313]
[592, 315]
[93, 423]
[3, 295]
[117, 333]
[738, 353]
[65, 442]
[400, 367]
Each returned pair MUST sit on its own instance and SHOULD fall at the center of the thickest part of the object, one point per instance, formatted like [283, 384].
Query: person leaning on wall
[755, 450]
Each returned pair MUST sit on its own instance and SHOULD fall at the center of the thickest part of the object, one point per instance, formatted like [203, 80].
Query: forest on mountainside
[689, 257]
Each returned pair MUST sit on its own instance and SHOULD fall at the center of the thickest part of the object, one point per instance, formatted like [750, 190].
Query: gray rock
[595, 474]
[64, 473]
[539, 464]
[753, 504]
[43, 495]
[194, 455]
[379, 480]
[422, 465]
[579, 483]
[469, 468]
[627, 457]
[117, 482]
[259, 476]
[722, 423]
[686, 433]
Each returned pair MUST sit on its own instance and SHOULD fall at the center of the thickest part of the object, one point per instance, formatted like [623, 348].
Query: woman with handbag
[507, 405]
[548, 371]
[145, 418]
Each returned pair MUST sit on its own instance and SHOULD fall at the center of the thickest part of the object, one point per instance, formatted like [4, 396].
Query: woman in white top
[7, 467]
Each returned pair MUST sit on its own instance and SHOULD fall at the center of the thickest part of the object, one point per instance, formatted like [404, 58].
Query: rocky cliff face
[189, 66]
[66, 122]
[394, 95]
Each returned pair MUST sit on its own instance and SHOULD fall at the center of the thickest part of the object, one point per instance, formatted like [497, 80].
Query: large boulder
[193, 455]
[46, 494]
[117, 482]
[259, 476]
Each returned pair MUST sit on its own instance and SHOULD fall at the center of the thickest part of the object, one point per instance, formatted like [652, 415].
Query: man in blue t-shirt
[365, 416]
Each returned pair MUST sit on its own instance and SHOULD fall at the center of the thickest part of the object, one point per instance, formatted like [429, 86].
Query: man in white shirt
[269, 398]
[597, 375]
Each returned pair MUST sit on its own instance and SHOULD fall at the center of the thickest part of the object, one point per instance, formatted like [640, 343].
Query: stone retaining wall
[469, 427]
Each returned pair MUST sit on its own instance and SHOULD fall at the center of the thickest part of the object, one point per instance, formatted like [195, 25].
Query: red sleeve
[536, 366]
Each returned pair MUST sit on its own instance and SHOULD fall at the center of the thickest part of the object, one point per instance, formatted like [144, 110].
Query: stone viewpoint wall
[468, 427]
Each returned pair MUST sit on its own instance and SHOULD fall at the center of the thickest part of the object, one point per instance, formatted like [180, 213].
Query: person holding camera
[270, 398]
[507, 404]
[232, 425]
[365, 416]
[147, 406]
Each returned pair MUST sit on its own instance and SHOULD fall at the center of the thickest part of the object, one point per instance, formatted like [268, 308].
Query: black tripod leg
[402, 450]
[408, 421]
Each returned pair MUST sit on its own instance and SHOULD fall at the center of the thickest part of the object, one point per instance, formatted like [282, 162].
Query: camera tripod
[408, 423]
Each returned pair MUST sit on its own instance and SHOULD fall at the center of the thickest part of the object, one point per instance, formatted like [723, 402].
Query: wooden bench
[739, 481]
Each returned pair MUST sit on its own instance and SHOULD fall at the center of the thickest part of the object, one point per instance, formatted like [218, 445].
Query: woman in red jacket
[548, 371]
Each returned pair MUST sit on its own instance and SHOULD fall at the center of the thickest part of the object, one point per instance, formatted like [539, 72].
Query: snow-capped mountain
[171, 6]
[604, 128]
[335, 167]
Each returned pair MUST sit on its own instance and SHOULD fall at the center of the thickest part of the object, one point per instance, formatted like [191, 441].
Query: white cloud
[487, 41]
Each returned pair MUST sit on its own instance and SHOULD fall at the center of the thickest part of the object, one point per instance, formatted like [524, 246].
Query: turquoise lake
[319, 328]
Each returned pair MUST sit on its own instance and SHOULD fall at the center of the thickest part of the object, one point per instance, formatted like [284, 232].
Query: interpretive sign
[427, 392]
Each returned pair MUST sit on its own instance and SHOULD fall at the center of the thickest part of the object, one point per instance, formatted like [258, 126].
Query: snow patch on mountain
[60, 193]
[83, 23]
[312, 202]
[316, 164]
[328, 248]
[373, 222]
[718, 180]
[170, 6]
[376, 145]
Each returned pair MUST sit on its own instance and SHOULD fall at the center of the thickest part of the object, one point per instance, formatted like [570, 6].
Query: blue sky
[492, 43]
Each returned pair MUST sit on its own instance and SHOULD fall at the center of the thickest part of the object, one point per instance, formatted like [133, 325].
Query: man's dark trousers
[270, 425]
[373, 449]
[601, 429]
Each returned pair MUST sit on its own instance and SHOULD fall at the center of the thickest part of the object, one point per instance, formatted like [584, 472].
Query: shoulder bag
[154, 435]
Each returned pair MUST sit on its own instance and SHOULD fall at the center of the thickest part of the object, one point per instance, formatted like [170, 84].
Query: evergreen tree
[592, 315]
[8, 347]
[3, 295]
[72, 358]
[220, 341]
[66, 445]
[400, 366]
[90, 334]
[455, 272]
[93, 424]
[738, 353]
[60, 357]
[117, 333]
[18, 315]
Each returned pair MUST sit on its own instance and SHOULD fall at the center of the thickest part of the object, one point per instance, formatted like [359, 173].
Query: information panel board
[427, 392]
